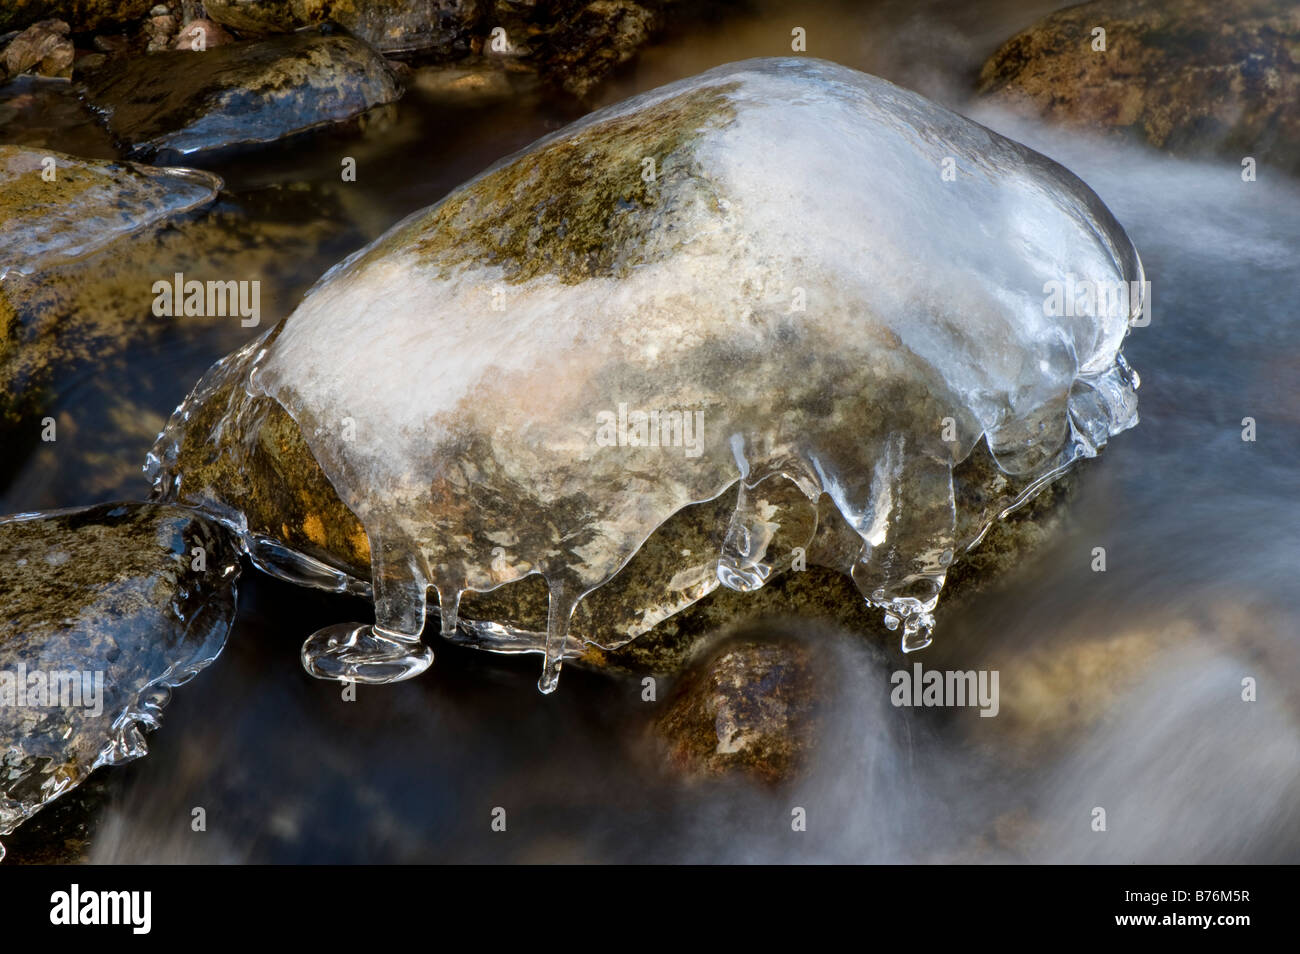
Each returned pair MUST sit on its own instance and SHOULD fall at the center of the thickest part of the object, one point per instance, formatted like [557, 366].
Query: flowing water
[1120, 689]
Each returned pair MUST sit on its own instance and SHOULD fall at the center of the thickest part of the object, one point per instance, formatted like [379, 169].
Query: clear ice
[108, 609]
[844, 285]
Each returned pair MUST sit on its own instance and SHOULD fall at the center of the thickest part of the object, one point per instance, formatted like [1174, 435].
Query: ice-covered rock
[106, 610]
[782, 279]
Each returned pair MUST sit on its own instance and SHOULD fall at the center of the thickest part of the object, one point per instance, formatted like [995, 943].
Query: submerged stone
[765, 316]
[183, 102]
[106, 610]
[80, 255]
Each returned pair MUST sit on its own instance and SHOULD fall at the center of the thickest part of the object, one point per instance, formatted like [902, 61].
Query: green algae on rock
[180, 102]
[599, 213]
[1192, 78]
[107, 610]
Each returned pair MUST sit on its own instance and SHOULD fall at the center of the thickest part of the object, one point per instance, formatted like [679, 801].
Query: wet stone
[472, 483]
[179, 103]
[749, 707]
[107, 609]
[1192, 78]
[58, 208]
[44, 48]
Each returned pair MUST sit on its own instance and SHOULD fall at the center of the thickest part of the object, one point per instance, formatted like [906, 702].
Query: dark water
[1120, 689]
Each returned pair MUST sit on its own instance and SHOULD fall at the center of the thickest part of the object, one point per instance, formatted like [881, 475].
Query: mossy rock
[1194, 78]
[107, 609]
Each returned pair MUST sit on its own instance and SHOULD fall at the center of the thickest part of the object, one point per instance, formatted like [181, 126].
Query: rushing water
[1119, 689]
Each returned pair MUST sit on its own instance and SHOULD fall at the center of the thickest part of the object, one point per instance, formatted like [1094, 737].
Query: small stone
[89, 61]
[160, 30]
[43, 46]
[202, 35]
[161, 10]
[749, 708]
[110, 43]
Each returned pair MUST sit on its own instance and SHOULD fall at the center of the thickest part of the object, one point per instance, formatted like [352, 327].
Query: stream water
[1120, 689]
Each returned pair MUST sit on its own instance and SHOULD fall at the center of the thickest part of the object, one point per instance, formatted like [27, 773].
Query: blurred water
[1120, 690]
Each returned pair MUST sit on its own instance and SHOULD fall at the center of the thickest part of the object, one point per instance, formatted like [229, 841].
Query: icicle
[772, 519]
[559, 613]
[390, 650]
[449, 609]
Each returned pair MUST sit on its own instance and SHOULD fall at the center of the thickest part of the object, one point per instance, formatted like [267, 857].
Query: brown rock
[749, 707]
[111, 43]
[1194, 78]
[440, 27]
[159, 30]
[43, 46]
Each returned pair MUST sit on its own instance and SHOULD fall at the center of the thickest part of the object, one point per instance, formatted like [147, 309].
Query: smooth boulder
[180, 102]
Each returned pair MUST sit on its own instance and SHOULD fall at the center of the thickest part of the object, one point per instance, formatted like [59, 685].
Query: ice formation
[108, 609]
[838, 286]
